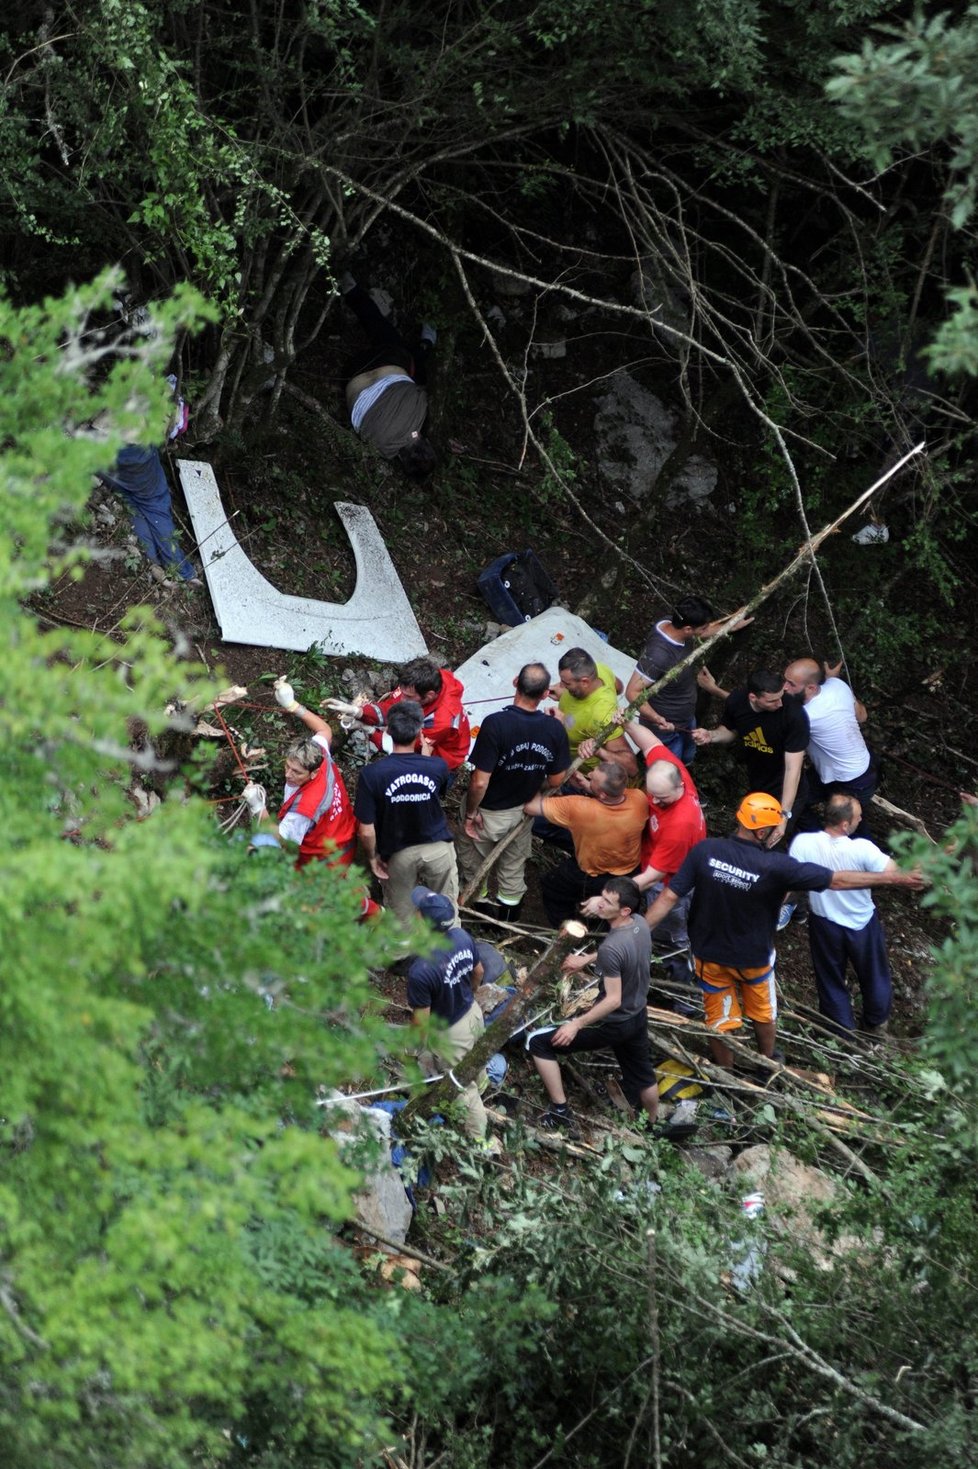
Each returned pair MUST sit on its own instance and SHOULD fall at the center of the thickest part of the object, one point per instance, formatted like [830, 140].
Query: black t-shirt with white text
[518, 749]
[766, 737]
[400, 796]
[443, 981]
[739, 888]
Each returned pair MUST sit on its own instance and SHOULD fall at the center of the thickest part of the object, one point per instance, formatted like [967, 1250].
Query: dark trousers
[863, 788]
[565, 887]
[833, 948]
[386, 343]
[627, 1039]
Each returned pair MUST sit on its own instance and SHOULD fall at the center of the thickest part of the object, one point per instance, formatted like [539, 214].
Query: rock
[636, 434]
[793, 1193]
[713, 1161]
[506, 285]
[382, 1206]
[652, 288]
[785, 1182]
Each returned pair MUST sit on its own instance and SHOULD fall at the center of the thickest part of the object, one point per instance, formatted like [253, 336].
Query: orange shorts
[729, 994]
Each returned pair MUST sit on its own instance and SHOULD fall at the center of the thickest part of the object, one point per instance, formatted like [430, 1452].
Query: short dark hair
[306, 752]
[839, 807]
[421, 674]
[404, 721]
[691, 612]
[533, 680]
[417, 459]
[763, 681]
[614, 778]
[626, 891]
[579, 662]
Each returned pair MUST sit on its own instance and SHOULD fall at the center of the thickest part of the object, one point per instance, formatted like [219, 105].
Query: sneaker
[785, 915]
[566, 1122]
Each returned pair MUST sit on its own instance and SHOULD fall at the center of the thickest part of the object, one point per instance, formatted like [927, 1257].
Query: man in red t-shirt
[676, 824]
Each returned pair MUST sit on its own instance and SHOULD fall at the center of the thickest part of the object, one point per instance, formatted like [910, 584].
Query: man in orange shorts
[738, 886]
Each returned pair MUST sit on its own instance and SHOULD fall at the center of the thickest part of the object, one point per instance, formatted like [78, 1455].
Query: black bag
[517, 587]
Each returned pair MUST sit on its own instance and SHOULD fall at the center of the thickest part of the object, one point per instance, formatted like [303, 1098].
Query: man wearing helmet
[738, 885]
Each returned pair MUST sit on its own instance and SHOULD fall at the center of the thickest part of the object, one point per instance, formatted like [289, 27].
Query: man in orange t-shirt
[606, 828]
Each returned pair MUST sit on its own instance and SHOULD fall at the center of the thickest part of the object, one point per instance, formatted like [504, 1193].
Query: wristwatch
[786, 814]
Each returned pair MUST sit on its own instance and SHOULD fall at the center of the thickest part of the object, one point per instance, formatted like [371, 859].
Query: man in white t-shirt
[843, 926]
[836, 746]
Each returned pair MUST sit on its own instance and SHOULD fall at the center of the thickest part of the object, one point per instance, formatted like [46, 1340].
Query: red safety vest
[325, 801]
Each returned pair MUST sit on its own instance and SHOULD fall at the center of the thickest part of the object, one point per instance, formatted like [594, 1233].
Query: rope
[240, 811]
[234, 749]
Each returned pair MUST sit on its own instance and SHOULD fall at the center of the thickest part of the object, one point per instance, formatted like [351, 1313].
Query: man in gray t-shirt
[616, 1021]
[671, 714]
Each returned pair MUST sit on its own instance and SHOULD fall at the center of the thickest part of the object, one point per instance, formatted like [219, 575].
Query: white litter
[872, 535]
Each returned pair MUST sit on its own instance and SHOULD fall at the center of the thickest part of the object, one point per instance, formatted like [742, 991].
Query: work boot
[488, 907]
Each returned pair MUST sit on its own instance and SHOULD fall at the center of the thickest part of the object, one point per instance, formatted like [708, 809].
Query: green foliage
[166, 1256]
[950, 1048]
[916, 90]
[954, 349]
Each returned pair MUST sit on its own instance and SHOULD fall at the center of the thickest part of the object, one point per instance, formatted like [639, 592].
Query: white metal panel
[488, 675]
[377, 622]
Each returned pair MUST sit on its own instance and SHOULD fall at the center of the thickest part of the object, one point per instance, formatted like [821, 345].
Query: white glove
[254, 796]
[337, 706]
[285, 695]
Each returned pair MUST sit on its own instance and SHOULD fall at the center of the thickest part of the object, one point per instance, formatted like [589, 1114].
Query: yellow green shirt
[586, 717]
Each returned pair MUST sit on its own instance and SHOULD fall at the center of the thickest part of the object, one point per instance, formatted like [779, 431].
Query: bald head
[804, 677]
[664, 783]
[842, 812]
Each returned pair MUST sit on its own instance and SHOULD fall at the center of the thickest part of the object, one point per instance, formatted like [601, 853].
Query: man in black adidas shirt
[516, 751]
[773, 732]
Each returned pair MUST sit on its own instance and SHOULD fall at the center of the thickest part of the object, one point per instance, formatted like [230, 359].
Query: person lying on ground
[386, 395]
[138, 476]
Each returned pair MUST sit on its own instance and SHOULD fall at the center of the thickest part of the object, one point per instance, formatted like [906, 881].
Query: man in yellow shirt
[588, 700]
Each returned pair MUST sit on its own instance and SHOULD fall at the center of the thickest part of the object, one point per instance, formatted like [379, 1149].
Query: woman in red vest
[315, 813]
